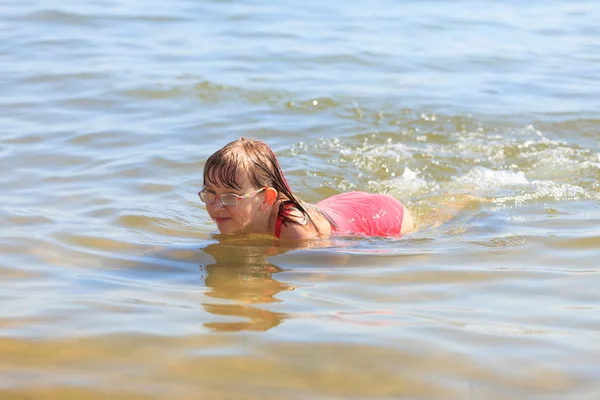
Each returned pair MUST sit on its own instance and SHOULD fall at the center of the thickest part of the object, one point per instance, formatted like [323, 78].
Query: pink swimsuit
[358, 213]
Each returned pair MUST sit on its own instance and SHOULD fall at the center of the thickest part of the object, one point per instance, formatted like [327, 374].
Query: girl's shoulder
[300, 226]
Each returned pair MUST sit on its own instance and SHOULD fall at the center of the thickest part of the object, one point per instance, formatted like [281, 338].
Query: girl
[245, 192]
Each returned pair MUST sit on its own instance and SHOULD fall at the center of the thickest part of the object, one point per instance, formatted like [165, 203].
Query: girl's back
[364, 213]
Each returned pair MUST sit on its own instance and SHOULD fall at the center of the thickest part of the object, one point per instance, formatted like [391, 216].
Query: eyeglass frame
[237, 196]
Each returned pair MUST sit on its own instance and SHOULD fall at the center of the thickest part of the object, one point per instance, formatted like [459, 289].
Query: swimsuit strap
[284, 210]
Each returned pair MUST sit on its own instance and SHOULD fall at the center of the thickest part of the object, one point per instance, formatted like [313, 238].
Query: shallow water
[115, 284]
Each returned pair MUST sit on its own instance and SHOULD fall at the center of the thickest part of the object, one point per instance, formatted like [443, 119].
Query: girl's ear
[270, 198]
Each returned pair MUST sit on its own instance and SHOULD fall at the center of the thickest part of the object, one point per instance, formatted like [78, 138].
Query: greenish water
[116, 285]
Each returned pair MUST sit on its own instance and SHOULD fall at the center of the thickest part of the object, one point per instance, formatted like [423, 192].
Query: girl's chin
[224, 225]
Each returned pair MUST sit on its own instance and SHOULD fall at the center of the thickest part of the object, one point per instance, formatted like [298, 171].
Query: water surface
[116, 285]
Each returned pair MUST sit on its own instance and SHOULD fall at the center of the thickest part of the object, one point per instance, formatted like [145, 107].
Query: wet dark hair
[255, 160]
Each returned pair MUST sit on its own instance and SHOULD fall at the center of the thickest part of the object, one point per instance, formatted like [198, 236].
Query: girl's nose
[217, 204]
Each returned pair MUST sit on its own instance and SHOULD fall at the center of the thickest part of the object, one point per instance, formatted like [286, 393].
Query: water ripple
[116, 278]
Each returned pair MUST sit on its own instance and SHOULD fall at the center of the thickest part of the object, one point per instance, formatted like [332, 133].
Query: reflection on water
[241, 273]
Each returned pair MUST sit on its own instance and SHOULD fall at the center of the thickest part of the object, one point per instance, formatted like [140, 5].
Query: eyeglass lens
[226, 199]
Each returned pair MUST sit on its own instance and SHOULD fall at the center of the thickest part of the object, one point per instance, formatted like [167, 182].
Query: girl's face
[246, 216]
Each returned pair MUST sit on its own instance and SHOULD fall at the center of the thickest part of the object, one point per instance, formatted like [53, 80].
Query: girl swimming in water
[245, 191]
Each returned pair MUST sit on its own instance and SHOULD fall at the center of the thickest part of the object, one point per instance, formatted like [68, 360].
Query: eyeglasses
[227, 199]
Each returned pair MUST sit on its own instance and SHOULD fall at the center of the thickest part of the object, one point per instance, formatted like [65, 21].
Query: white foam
[390, 150]
[550, 189]
[409, 183]
[486, 178]
[409, 174]
[524, 189]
